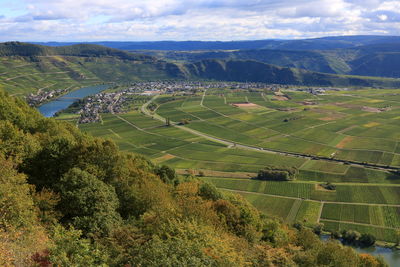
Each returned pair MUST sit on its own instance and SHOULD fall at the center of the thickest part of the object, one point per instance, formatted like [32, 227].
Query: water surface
[392, 257]
[50, 108]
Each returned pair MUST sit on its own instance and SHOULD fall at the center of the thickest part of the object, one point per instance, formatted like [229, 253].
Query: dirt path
[263, 96]
[320, 212]
[202, 98]
[365, 224]
[12, 78]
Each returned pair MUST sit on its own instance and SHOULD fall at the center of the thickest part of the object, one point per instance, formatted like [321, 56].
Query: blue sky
[151, 20]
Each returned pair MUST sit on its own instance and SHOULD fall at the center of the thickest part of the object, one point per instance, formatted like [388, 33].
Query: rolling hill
[26, 68]
[379, 60]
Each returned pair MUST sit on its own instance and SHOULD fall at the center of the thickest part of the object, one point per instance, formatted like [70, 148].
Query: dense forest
[69, 199]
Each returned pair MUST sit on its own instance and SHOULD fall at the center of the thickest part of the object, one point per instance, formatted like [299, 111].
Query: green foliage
[209, 191]
[16, 205]
[166, 174]
[278, 174]
[367, 240]
[350, 236]
[88, 203]
[69, 249]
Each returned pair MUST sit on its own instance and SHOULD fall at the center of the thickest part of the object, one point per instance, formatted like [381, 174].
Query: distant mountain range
[382, 60]
[324, 43]
[377, 56]
[29, 67]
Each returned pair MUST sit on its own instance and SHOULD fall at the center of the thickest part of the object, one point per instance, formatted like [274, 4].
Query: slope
[27, 68]
[253, 71]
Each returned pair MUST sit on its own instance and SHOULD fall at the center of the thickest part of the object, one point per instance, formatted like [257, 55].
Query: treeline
[79, 50]
[68, 199]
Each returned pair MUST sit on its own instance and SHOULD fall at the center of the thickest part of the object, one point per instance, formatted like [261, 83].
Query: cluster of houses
[320, 91]
[101, 103]
[189, 87]
[41, 97]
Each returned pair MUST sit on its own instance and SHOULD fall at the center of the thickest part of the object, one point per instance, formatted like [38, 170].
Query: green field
[384, 216]
[360, 127]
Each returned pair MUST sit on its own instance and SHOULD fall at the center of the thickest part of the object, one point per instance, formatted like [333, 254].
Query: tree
[278, 174]
[367, 240]
[88, 203]
[397, 237]
[350, 236]
[69, 249]
[209, 191]
[318, 228]
[166, 174]
[21, 234]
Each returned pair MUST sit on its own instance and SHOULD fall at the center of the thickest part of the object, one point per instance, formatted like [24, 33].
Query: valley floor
[349, 138]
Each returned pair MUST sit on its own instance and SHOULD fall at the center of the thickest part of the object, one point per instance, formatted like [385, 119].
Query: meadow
[347, 138]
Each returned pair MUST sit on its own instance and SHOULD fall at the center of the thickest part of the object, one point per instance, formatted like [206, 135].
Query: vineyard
[341, 137]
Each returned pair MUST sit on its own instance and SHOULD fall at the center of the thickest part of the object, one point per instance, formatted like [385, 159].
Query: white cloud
[71, 20]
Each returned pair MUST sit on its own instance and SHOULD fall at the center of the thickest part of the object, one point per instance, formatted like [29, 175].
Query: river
[392, 257]
[60, 103]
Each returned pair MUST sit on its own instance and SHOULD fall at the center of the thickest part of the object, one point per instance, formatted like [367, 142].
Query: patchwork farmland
[347, 138]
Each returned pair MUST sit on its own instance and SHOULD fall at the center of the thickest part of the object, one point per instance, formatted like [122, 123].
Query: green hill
[385, 64]
[380, 60]
[253, 71]
[26, 68]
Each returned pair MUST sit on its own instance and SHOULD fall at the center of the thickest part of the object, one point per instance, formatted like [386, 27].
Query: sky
[207, 20]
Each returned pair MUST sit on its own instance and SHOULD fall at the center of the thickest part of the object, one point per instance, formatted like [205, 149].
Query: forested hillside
[69, 199]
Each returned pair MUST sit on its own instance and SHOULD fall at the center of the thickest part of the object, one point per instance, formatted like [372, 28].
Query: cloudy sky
[141, 20]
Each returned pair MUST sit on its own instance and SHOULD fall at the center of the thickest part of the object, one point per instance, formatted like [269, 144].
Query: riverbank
[388, 251]
[51, 108]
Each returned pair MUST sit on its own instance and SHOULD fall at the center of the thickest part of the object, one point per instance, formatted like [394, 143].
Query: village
[41, 97]
[115, 102]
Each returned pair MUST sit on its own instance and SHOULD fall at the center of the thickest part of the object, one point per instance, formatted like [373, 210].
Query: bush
[167, 174]
[367, 240]
[318, 228]
[350, 236]
[328, 186]
[209, 191]
[278, 174]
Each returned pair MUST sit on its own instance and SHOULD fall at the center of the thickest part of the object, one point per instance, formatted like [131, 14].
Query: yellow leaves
[368, 260]
[17, 246]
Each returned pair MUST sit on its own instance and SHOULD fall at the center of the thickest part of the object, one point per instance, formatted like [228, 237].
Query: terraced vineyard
[349, 138]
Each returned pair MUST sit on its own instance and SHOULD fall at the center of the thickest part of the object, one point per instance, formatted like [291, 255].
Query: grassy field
[288, 210]
[357, 126]
[385, 234]
[350, 193]
[21, 76]
[384, 216]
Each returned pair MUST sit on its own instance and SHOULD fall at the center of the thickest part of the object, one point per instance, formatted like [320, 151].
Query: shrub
[278, 174]
[367, 240]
